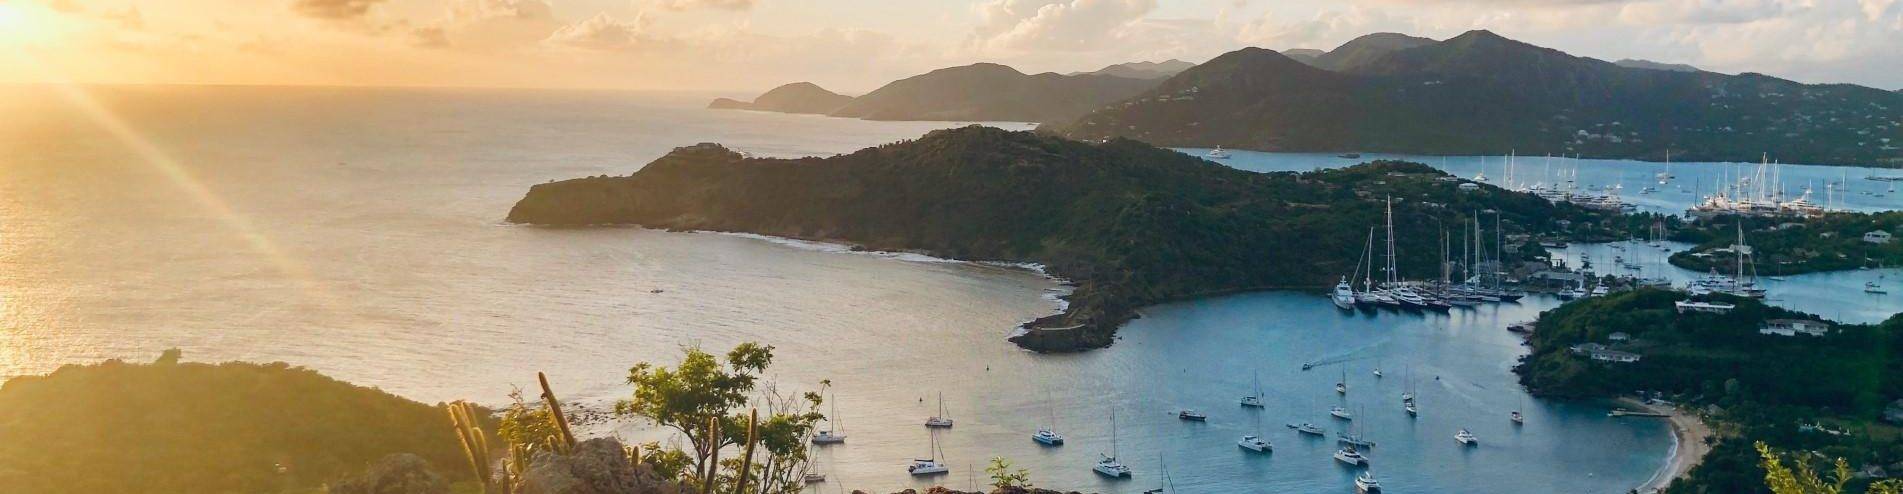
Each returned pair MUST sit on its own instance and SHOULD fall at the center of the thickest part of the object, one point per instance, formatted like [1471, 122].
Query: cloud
[130, 18]
[497, 25]
[601, 32]
[1059, 25]
[429, 37]
[334, 10]
[707, 4]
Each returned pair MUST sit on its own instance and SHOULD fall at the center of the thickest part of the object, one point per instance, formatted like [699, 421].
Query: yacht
[1341, 413]
[815, 477]
[1517, 418]
[1377, 372]
[1466, 438]
[1411, 411]
[1874, 287]
[1344, 295]
[1253, 443]
[1366, 484]
[1350, 456]
[929, 466]
[1353, 439]
[1599, 291]
[1307, 428]
[1341, 386]
[1047, 437]
[939, 421]
[1218, 153]
[1191, 415]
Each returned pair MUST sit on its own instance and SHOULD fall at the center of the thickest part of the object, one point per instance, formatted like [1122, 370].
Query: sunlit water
[358, 232]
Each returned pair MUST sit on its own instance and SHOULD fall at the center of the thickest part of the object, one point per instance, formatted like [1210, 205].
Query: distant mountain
[1143, 70]
[798, 97]
[1648, 64]
[1304, 55]
[992, 92]
[1366, 49]
[1482, 93]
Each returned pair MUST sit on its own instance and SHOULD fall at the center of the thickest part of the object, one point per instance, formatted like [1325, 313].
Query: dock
[1621, 412]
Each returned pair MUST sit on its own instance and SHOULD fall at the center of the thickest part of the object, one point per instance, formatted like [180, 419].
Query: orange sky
[855, 45]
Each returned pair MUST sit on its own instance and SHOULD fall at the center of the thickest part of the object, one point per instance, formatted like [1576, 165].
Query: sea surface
[358, 232]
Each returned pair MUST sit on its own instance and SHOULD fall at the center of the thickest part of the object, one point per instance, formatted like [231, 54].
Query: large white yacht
[1350, 456]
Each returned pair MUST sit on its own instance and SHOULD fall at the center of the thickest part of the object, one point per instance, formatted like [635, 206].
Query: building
[1794, 327]
[1877, 237]
[1685, 306]
[1614, 356]
[1587, 348]
[1469, 186]
[1618, 336]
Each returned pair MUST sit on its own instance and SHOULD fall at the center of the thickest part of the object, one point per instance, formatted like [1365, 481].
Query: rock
[597, 466]
[401, 473]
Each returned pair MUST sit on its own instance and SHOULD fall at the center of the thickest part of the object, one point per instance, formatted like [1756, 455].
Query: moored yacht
[1307, 428]
[1350, 456]
[1191, 415]
[1466, 438]
[1253, 443]
[1341, 413]
[1108, 466]
[1366, 484]
[1344, 295]
[1047, 437]
[1218, 153]
[939, 421]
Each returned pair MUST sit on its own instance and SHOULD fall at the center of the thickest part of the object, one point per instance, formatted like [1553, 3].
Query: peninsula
[1128, 223]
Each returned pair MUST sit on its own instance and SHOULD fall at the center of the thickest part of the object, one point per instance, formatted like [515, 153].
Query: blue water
[1693, 179]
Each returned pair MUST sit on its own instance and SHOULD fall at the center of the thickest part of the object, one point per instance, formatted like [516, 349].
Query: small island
[1127, 223]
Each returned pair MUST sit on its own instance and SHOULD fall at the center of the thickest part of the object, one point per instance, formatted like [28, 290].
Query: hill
[1366, 49]
[1143, 70]
[1479, 93]
[1304, 55]
[1648, 64]
[992, 92]
[798, 97]
[190, 427]
[1129, 224]
[1785, 246]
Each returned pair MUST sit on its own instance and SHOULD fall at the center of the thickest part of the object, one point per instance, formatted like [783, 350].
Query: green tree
[1803, 480]
[706, 388]
[1005, 475]
[527, 425]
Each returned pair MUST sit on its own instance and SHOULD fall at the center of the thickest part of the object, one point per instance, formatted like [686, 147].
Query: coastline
[1689, 434]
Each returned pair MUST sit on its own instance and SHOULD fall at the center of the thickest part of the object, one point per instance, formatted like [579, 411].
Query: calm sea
[358, 232]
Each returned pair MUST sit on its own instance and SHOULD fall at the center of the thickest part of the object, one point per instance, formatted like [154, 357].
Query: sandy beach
[1688, 445]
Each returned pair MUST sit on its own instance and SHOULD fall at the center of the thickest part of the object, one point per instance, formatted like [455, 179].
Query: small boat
[939, 421]
[1350, 456]
[815, 477]
[1366, 484]
[1874, 286]
[1047, 437]
[1218, 153]
[1191, 415]
[1254, 400]
[1341, 413]
[1308, 365]
[1516, 417]
[1377, 372]
[1253, 443]
[1599, 291]
[1341, 386]
[1351, 156]
[1307, 428]
[1411, 411]
[1466, 438]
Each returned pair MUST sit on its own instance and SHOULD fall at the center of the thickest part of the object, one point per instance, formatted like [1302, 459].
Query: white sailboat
[929, 466]
[1341, 413]
[1254, 400]
[1351, 456]
[1466, 438]
[1516, 416]
[939, 421]
[835, 431]
[1108, 465]
[1341, 386]
[1254, 442]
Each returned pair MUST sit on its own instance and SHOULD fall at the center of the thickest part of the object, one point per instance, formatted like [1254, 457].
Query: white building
[1877, 237]
[1615, 356]
[1794, 327]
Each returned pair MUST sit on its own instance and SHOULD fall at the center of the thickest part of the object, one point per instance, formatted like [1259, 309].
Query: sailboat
[1254, 442]
[1164, 484]
[1407, 397]
[1045, 435]
[1254, 400]
[1351, 456]
[1341, 413]
[834, 432]
[1377, 372]
[1516, 417]
[1466, 438]
[1108, 465]
[939, 421]
[1353, 437]
[929, 466]
[1341, 386]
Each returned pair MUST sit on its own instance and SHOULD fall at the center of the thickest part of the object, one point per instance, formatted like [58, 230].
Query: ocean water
[358, 232]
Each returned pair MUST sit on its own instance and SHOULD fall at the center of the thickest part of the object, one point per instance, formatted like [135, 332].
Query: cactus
[555, 413]
[713, 457]
[475, 446]
[746, 459]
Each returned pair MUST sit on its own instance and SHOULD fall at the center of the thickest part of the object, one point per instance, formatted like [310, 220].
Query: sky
[854, 46]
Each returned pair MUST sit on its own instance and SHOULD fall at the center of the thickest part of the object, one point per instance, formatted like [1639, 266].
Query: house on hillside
[1685, 306]
[1878, 237]
[1794, 327]
[1615, 356]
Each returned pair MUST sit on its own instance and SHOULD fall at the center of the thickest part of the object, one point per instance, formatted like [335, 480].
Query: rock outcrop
[400, 473]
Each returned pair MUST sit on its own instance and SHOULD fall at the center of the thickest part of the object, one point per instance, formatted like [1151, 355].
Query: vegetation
[988, 92]
[1479, 93]
[702, 399]
[1832, 242]
[1127, 223]
[1804, 480]
[172, 426]
[1005, 476]
[798, 97]
[1819, 394]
